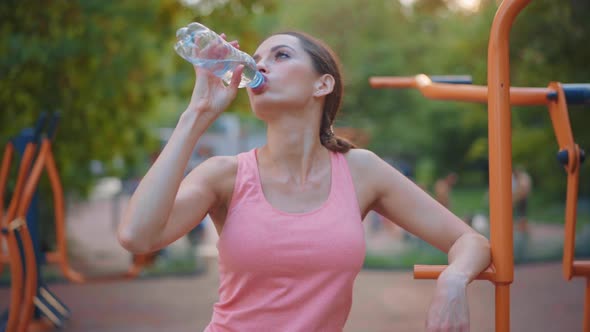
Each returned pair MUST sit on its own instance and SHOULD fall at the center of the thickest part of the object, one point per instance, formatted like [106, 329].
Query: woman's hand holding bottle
[210, 95]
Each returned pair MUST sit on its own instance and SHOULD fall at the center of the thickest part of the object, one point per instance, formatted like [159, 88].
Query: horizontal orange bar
[433, 272]
[396, 82]
[581, 268]
[460, 92]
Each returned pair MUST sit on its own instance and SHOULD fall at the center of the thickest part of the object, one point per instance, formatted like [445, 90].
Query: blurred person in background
[521, 190]
[289, 213]
[443, 188]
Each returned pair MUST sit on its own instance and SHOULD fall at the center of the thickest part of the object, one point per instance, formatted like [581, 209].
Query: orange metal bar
[46, 161]
[561, 126]
[24, 300]
[139, 261]
[500, 156]
[16, 279]
[16, 267]
[571, 214]
[26, 161]
[499, 96]
[460, 92]
[581, 268]
[502, 295]
[587, 307]
[31, 282]
[433, 271]
[560, 120]
[4, 171]
[60, 255]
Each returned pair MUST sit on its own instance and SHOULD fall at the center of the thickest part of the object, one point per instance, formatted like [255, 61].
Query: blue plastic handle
[575, 94]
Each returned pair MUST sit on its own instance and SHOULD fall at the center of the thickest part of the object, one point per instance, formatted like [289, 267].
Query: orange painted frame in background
[500, 96]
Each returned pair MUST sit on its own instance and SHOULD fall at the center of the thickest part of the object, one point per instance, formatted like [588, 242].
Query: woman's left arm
[400, 200]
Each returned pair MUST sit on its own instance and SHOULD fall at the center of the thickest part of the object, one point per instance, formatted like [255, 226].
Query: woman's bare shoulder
[368, 167]
[361, 159]
[215, 175]
[222, 164]
[219, 167]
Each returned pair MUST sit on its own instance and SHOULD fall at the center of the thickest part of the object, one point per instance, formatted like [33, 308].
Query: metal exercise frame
[499, 96]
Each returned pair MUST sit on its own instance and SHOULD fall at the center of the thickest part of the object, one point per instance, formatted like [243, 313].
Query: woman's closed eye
[282, 55]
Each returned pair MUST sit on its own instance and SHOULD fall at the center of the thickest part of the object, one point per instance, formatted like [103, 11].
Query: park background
[110, 70]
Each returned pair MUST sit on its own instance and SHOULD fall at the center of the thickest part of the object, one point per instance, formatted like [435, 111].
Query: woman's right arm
[153, 202]
[164, 207]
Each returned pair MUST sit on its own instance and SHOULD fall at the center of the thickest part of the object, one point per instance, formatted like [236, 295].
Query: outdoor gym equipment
[21, 251]
[46, 161]
[499, 95]
[31, 299]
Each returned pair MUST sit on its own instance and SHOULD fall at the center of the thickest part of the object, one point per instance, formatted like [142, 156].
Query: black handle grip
[452, 79]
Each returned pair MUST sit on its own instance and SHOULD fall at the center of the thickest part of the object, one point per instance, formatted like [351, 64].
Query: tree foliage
[94, 62]
[548, 43]
[109, 68]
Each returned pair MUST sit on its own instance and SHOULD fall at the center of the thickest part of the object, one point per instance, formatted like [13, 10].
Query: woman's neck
[293, 149]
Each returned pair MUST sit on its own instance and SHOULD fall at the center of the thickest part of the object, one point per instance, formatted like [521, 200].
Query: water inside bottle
[221, 59]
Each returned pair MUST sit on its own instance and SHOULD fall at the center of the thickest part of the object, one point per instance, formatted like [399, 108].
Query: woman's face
[290, 76]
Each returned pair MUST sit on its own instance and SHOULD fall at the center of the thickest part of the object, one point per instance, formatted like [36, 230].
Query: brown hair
[326, 62]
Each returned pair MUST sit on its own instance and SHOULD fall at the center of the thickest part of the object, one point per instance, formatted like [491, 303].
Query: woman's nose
[261, 66]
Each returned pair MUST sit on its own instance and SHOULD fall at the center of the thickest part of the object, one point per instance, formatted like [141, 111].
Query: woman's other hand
[448, 310]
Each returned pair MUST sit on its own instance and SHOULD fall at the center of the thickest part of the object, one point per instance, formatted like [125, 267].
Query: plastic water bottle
[204, 48]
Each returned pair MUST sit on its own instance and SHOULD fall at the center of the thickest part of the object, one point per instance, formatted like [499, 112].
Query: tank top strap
[246, 182]
[343, 186]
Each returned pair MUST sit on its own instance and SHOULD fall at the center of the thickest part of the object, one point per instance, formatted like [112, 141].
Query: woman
[289, 213]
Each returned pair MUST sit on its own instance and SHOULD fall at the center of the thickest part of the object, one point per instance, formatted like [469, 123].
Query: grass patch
[414, 254]
[467, 201]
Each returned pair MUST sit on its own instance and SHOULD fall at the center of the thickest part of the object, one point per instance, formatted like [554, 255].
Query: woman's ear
[324, 85]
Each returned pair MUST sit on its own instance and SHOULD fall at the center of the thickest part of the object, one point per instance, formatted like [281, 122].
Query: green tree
[548, 43]
[109, 68]
[97, 64]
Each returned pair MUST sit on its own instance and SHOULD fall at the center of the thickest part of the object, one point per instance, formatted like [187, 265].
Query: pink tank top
[284, 271]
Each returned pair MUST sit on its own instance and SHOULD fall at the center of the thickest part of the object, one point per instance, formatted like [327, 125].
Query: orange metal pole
[61, 255]
[16, 278]
[565, 139]
[46, 161]
[16, 267]
[4, 170]
[560, 119]
[434, 271]
[500, 156]
[587, 307]
[31, 282]
[581, 268]
[570, 216]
